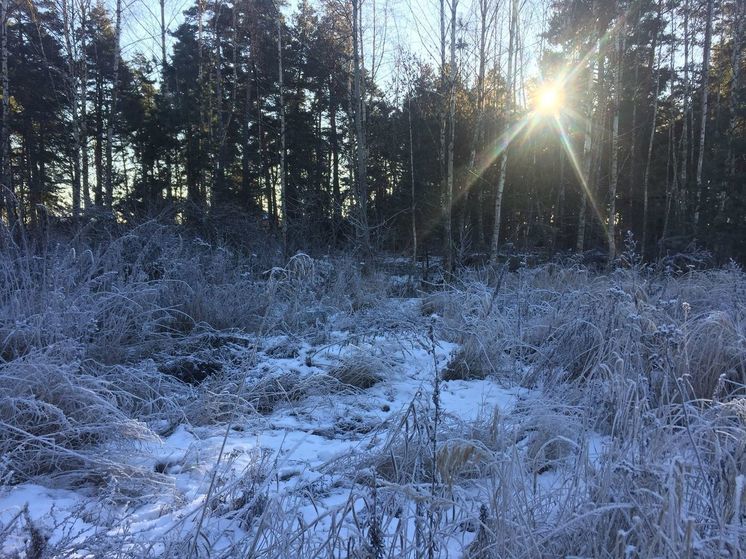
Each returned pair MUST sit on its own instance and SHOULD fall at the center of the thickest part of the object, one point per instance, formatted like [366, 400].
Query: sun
[549, 99]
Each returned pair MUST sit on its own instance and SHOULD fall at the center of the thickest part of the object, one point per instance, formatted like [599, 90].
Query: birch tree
[687, 116]
[413, 191]
[507, 111]
[703, 116]
[109, 194]
[283, 179]
[163, 27]
[672, 168]
[363, 233]
[614, 172]
[442, 155]
[451, 140]
[84, 12]
[735, 81]
[72, 90]
[654, 63]
[587, 161]
[6, 193]
[485, 21]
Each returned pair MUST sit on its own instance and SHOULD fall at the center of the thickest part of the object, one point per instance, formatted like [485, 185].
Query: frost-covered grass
[160, 397]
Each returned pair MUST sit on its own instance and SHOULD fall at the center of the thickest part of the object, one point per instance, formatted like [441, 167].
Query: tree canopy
[622, 116]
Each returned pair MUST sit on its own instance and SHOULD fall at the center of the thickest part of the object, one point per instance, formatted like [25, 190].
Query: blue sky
[401, 25]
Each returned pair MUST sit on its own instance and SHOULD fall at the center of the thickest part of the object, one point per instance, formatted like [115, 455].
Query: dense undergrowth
[111, 332]
[631, 441]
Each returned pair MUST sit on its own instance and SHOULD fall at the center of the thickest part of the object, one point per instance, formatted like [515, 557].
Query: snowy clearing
[552, 412]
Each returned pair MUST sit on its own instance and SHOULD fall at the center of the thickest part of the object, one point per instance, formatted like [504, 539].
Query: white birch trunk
[703, 122]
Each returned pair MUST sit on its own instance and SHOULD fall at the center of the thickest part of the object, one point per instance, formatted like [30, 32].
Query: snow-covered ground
[555, 413]
[286, 455]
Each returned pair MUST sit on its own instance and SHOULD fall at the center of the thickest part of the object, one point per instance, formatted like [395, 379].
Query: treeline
[244, 115]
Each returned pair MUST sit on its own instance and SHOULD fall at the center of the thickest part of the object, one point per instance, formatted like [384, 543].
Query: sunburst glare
[550, 99]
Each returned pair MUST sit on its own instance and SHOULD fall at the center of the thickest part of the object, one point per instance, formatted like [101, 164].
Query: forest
[329, 126]
[372, 279]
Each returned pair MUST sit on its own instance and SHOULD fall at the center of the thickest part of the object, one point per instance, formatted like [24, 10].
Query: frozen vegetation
[161, 397]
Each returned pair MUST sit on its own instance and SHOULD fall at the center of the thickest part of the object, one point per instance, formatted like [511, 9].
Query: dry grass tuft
[274, 390]
[56, 411]
[360, 370]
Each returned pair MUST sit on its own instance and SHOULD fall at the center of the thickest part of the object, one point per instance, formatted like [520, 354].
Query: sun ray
[496, 148]
[494, 151]
[567, 145]
[551, 104]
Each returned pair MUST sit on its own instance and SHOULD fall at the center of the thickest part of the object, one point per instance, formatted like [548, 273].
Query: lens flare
[549, 100]
[567, 144]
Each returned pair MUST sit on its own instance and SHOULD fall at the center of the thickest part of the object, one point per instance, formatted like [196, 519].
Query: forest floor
[315, 412]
